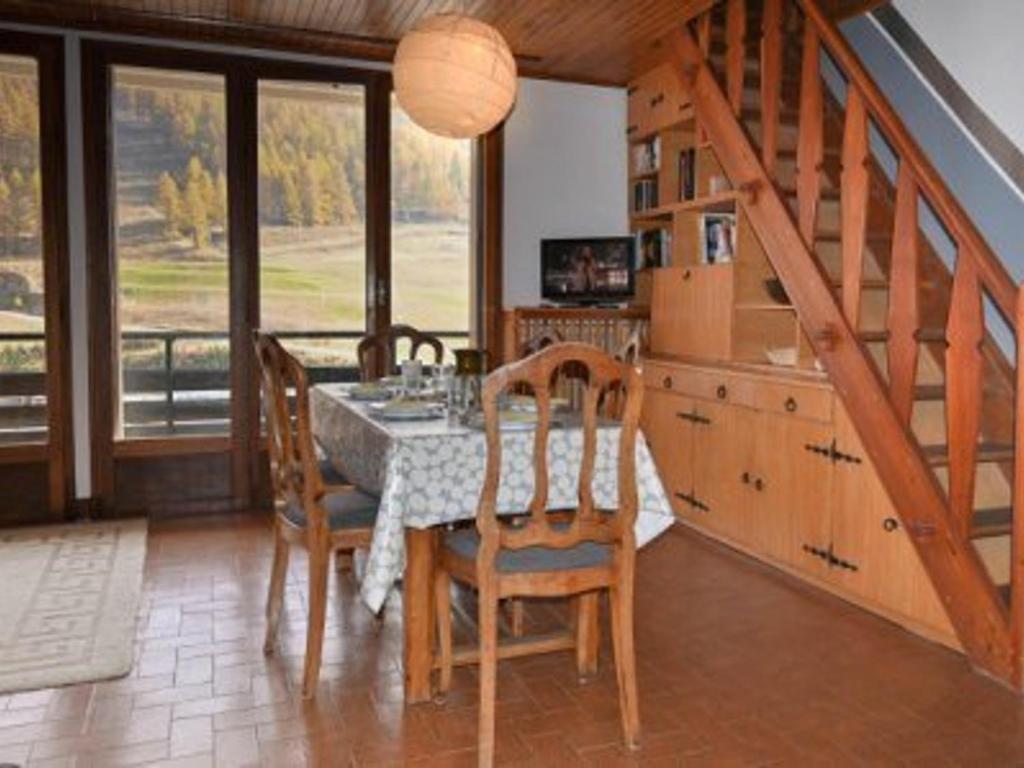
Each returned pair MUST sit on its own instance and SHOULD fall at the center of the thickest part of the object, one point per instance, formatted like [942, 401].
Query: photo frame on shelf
[653, 248]
[717, 238]
[687, 173]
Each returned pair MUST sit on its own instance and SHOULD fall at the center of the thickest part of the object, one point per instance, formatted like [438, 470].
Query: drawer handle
[722, 392]
[631, 129]
[745, 478]
[667, 382]
[686, 275]
[790, 405]
[758, 484]
[890, 524]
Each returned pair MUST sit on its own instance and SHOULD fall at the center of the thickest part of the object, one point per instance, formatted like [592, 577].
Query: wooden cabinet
[655, 101]
[771, 464]
[878, 563]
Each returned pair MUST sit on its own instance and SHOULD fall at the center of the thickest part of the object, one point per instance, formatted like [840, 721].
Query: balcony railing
[174, 382]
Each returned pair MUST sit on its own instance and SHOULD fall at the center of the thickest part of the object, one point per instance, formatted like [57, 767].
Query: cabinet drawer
[794, 400]
[706, 384]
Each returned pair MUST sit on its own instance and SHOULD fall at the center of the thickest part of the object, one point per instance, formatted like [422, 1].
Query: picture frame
[717, 238]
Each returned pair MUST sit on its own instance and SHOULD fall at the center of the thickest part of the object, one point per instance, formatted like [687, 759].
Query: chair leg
[343, 559]
[517, 610]
[621, 602]
[319, 560]
[588, 635]
[275, 594]
[488, 676]
[443, 608]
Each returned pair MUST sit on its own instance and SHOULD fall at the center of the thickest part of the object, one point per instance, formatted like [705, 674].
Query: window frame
[57, 451]
[242, 74]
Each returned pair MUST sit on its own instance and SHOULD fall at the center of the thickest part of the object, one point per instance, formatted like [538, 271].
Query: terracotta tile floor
[738, 666]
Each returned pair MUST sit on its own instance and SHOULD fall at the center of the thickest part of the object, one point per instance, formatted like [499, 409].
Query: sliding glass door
[312, 220]
[432, 183]
[34, 418]
[229, 194]
[171, 253]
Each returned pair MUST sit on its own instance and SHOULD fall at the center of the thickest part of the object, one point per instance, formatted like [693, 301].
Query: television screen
[587, 270]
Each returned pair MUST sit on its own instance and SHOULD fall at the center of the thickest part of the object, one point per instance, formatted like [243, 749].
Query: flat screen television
[592, 270]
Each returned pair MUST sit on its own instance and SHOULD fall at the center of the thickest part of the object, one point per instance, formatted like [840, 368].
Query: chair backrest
[276, 414]
[294, 466]
[374, 347]
[633, 347]
[539, 341]
[602, 372]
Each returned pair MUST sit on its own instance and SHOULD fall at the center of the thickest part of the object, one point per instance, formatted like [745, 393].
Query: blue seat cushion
[345, 510]
[587, 554]
[330, 475]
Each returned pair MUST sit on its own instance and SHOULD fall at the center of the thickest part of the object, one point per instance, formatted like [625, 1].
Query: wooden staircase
[907, 319]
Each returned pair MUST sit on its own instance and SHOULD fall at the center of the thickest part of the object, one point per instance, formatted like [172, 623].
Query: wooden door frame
[57, 452]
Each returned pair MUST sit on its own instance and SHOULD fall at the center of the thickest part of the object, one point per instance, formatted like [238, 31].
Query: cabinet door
[882, 567]
[722, 449]
[668, 426]
[691, 312]
[635, 111]
[793, 517]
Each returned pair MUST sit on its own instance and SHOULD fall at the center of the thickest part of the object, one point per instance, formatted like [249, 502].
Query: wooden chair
[542, 556]
[540, 341]
[307, 513]
[375, 347]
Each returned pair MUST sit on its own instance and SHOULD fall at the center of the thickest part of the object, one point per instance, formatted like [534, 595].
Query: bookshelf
[713, 294]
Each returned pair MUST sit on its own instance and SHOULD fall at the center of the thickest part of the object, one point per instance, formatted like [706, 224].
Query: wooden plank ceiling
[600, 41]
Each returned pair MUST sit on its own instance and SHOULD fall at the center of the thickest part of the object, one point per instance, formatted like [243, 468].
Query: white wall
[980, 44]
[565, 175]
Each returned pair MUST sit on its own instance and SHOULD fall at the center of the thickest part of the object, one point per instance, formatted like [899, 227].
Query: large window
[312, 218]
[171, 251]
[23, 416]
[431, 222]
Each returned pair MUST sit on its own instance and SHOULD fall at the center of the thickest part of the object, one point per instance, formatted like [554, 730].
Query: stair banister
[993, 274]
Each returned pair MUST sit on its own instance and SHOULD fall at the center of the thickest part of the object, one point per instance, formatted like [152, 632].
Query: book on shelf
[647, 156]
[687, 173]
[653, 248]
[645, 195]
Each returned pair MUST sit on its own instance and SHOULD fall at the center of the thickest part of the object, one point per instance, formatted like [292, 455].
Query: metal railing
[167, 390]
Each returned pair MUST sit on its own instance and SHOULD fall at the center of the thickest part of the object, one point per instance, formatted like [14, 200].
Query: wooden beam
[854, 180]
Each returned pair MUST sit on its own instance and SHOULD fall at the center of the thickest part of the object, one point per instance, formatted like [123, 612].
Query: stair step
[867, 284]
[835, 235]
[930, 392]
[924, 335]
[828, 195]
[988, 453]
[992, 522]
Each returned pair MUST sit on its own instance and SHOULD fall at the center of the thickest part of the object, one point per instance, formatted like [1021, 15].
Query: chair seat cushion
[586, 554]
[345, 510]
[330, 475]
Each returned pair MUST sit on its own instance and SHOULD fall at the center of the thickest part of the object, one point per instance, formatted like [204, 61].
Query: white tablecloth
[429, 473]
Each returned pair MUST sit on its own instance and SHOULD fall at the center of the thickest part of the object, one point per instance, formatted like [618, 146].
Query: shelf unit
[722, 311]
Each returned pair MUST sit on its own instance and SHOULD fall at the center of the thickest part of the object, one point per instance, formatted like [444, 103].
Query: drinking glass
[412, 377]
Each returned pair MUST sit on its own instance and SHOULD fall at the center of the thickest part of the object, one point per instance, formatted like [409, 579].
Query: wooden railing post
[771, 82]
[965, 332]
[704, 42]
[854, 201]
[904, 317]
[1017, 537]
[810, 150]
[735, 36]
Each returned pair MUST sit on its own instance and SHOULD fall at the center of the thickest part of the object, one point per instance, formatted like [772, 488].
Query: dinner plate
[370, 393]
[400, 410]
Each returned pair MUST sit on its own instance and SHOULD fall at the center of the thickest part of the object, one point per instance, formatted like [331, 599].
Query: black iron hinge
[832, 453]
[693, 417]
[693, 501]
[829, 556]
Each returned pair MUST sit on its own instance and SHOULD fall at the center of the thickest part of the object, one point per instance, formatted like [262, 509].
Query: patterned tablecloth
[431, 472]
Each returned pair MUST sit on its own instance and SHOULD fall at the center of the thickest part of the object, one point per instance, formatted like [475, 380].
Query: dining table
[429, 472]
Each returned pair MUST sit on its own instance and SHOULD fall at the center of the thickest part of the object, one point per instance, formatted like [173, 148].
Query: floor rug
[69, 595]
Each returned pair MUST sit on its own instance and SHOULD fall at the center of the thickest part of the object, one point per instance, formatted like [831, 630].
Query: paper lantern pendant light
[455, 76]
